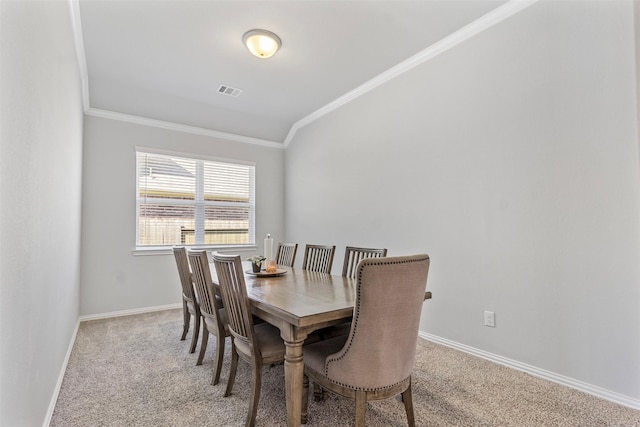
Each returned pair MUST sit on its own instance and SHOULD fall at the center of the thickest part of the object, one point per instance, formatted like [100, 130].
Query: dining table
[297, 302]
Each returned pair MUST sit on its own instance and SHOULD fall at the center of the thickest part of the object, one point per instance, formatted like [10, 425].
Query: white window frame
[199, 203]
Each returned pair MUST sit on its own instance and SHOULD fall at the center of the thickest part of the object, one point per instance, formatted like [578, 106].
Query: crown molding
[492, 18]
[76, 25]
[129, 118]
[74, 10]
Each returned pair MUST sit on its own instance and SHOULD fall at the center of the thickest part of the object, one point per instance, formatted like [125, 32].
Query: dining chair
[190, 306]
[214, 316]
[286, 254]
[376, 359]
[257, 344]
[353, 255]
[318, 258]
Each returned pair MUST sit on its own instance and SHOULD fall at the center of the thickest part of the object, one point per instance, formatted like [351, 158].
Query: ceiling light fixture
[261, 43]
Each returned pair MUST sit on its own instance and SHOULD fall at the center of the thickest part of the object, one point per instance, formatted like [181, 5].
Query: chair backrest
[236, 300]
[180, 254]
[381, 346]
[205, 289]
[286, 254]
[353, 255]
[318, 258]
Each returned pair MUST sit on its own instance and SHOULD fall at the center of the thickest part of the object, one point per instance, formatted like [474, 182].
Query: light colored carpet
[135, 371]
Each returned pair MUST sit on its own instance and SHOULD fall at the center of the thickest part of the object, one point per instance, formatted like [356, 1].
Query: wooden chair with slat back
[376, 359]
[318, 258]
[258, 344]
[190, 305]
[214, 316]
[353, 255]
[286, 254]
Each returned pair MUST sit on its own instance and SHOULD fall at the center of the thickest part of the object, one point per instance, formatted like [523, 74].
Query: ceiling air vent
[228, 90]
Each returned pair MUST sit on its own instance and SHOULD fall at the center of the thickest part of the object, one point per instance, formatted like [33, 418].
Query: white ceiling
[164, 60]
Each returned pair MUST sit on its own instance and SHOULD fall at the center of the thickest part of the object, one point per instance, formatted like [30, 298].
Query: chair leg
[408, 406]
[305, 399]
[319, 393]
[232, 370]
[203, 346]
[361, 408]
[217, 363]
[196, 331]
[186, 320]
[256, 384]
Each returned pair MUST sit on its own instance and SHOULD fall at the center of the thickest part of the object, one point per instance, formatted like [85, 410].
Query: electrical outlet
[490, 319]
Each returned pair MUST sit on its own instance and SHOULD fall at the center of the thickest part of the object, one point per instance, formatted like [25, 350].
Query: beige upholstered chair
[286, 254]
[257, 344]
[190, 305]
[376, 359]
[214, 316]
[353, 255]
[318, 258]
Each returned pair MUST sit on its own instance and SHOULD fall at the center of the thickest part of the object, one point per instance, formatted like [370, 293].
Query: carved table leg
[293, 376]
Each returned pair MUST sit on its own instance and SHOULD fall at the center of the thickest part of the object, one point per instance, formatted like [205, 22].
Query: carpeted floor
[135, 371]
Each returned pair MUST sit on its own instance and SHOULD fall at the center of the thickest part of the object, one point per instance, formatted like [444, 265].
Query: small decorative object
[271, 266]
[256, 262]
[268, 248]
[270, 263]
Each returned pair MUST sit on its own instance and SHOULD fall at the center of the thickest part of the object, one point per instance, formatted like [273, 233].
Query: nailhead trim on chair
[367, 261]
[358, 388]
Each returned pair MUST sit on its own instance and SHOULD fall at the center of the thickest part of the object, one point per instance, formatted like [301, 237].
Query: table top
[300, 297]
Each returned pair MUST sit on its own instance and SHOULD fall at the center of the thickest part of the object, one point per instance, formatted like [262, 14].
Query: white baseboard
[129, 312]
[537, 372]
[56, 391]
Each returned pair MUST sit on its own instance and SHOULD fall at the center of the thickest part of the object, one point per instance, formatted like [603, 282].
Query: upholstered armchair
[375, 360]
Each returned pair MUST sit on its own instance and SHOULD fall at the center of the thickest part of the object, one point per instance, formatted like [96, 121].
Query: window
[193, 201]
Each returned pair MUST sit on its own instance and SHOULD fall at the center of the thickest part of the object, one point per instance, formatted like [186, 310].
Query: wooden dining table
[298, 302]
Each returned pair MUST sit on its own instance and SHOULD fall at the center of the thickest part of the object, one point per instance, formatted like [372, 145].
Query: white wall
[636, 18]
[512, 160]
[40, 190]
[113, 278]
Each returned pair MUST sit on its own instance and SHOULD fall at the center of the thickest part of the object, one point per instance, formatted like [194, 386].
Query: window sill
[167, 250]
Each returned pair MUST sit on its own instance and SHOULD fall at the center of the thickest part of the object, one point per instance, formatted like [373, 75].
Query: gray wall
[512, 160]
[40, 190]
[113, 278]
[636, 17]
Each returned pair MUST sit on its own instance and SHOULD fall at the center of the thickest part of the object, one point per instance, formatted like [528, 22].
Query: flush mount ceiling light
[261, 43]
